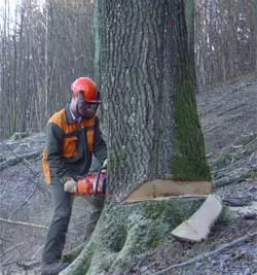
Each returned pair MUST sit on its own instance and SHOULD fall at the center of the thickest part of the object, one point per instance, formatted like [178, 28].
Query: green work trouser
[56, 235]
[97, 204]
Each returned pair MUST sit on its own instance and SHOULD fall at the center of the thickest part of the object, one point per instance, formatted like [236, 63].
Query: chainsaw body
[93, 184]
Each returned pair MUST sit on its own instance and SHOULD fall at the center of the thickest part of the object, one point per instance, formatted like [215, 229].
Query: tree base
[126, 231]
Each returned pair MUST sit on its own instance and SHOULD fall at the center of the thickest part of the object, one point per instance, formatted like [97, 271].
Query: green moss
[148, 225]
[127, 231]
[115, 237]
[189, 161]
[72, 255]
[250, 174]
[224, 218]
[82, 267]
[222, 160]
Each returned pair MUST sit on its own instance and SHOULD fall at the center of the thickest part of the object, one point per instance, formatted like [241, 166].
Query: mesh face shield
[86, 109]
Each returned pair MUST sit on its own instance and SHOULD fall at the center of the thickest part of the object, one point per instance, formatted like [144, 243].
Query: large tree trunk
[190, 23]
[154, 131]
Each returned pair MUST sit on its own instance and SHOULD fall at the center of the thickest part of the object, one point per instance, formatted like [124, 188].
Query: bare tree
[224, 40]
[46, 46]
[43, 50]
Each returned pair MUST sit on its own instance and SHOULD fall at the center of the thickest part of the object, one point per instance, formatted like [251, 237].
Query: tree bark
[153, 130]
[190, 23]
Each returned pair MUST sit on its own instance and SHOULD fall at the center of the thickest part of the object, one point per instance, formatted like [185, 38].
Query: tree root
[126, 231]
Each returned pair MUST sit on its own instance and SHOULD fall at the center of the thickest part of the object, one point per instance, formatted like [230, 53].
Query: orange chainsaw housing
[92, 184]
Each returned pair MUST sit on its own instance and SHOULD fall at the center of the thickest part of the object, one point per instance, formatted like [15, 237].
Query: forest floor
[229, 122]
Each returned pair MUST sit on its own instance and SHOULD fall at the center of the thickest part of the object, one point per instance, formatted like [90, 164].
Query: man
[73, 136]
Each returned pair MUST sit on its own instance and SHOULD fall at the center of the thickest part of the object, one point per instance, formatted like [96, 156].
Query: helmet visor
[86, 109]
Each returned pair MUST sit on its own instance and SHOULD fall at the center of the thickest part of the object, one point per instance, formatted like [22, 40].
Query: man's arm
[54, 141]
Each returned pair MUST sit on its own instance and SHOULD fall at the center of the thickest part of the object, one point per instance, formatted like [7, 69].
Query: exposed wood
[186, 197]
[168, 188]
[197, 227]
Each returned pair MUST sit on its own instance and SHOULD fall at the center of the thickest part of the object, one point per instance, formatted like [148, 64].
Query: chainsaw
[93, 184]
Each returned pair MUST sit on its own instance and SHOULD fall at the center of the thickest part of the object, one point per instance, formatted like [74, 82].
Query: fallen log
[18, 158]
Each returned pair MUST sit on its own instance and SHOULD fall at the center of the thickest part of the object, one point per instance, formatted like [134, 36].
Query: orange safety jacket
[70, 145]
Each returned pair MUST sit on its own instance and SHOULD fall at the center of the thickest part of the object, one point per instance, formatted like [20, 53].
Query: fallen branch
[24, 223]
[206, 255]
[17, 159]
[227, 180]
[28, 265]
[13, 247]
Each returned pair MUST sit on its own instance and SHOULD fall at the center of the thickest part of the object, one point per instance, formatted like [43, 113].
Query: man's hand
[70, 186]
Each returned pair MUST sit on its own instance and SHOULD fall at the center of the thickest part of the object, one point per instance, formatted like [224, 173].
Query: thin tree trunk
[46, 65]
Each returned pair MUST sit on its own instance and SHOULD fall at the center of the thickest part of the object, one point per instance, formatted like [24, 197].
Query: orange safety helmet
[87, 87]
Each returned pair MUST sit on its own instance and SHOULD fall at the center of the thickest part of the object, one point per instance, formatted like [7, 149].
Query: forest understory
[229, 122]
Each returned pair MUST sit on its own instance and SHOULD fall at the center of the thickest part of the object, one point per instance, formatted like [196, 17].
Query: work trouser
[56, 235]
[97, 204]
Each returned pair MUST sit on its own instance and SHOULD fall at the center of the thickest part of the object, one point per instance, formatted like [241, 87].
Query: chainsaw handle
[96, 183]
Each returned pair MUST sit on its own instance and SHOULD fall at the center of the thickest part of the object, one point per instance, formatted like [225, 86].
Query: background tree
[45, 45]
[46, 41]
[153, 129]
[224, 40]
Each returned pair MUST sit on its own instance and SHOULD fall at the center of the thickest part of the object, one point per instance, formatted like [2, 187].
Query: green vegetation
[221, 161]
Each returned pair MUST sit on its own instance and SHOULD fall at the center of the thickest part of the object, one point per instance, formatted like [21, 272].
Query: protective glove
[104, 166]
[71, 186]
